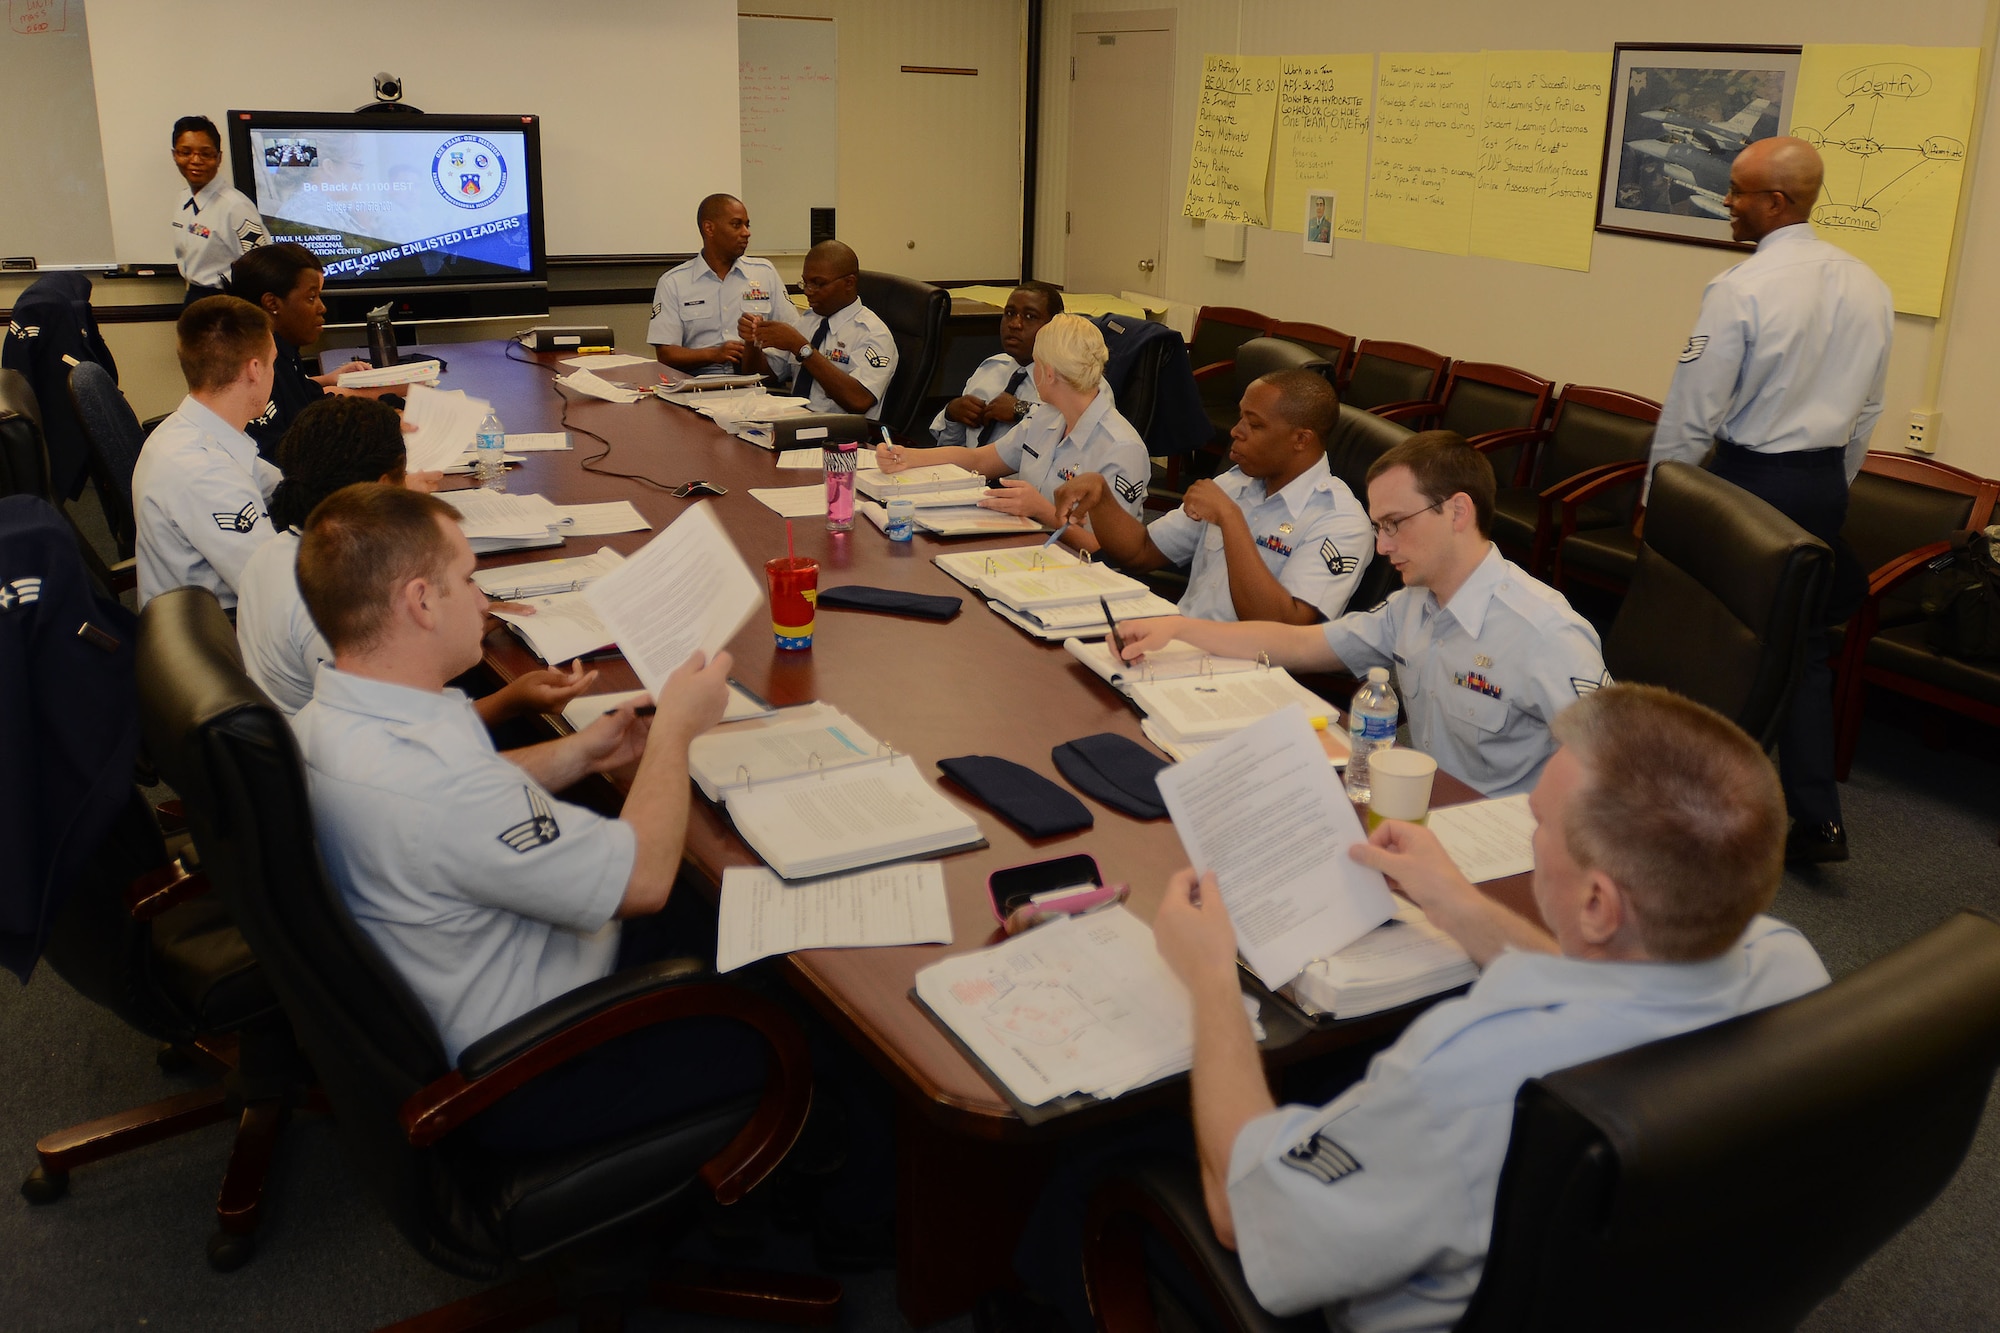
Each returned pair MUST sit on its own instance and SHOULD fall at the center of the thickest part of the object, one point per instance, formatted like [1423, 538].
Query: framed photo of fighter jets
[1679, 116]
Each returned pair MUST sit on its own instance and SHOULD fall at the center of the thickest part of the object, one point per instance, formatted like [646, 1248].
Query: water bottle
[1371, 726]
[840, 460]
[490, 448]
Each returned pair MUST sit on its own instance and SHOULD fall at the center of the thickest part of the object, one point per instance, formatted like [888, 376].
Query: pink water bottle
[840, 460]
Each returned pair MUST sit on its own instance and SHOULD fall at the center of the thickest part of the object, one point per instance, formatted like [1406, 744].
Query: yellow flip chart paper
[1322, 138]
[1891, 123]
[1541, 151]
[1232, 139]
[1420, 184]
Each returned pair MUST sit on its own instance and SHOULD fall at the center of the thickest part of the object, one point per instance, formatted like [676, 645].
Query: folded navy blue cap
[1021, 796]
[1115, 770]
[861, 597]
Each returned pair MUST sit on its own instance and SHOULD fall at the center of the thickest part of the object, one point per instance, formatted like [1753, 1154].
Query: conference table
[969, 1162]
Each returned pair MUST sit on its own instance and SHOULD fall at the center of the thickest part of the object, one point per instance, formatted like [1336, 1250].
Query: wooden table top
[971, 685]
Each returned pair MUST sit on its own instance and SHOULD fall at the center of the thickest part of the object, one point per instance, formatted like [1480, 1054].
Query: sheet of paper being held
[1264, 811]
[684, 590]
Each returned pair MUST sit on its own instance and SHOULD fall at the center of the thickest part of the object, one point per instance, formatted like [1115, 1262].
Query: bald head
[834, 258]
[1786, 172]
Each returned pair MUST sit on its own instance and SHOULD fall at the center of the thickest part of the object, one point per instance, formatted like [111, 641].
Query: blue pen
[1062, 526]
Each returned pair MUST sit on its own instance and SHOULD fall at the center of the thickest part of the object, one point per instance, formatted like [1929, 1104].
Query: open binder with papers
[828, 820]
[917, 482]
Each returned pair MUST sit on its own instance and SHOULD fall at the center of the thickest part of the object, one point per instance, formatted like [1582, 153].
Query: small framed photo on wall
[1679, 116]
[1319, 222]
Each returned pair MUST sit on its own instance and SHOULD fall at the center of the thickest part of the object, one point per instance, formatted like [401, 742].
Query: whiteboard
[637, 97]
[53, 204]
[789, 108]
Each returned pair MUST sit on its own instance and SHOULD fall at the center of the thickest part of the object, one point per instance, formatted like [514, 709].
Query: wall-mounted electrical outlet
[1924, 428]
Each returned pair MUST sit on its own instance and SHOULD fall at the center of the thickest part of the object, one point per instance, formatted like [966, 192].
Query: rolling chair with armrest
[915, 313]
[1594, 430]
[1900, 513]
[1499, 410]
[1219, 330]
[1389, 375]
[1706, 1181]
[1254, 359]
[474, 1211]
[24, 470]
[112, 430]
[1336, 347]
[1725, 590]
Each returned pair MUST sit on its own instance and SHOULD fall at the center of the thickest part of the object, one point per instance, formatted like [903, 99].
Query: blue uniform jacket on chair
[1178, 425]
[69, 721]
[53, 329]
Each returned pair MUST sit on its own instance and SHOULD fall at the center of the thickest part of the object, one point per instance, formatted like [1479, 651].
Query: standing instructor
[1783, 378]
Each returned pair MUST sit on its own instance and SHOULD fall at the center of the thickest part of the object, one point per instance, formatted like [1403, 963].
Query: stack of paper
[596, 386]
[585, 709]
[442, 426]
[816, 458]
[792, 501]
[543, 578]
[968, 567]
[1397, 963]
[1083, 1004]
[1174, 662]
[560, 627]
[606, 361]
[1043, 589]
[1052, 595]
[1207, 708]
[388, 377]
[1488, 839]
[1082, 620]
[1264, 813]
[762, 915]
[826, 821]
[502, 521]
[916, 481]
[599, 520]
[747, 413]
[788, 743]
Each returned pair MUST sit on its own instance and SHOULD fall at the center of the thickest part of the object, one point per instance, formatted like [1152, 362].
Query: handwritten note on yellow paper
[1541, 150]
[1232, 139]
[1322, 138]
[1892, 124]
[1420, 184]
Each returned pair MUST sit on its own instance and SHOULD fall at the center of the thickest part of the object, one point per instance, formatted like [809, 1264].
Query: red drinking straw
[791, 556]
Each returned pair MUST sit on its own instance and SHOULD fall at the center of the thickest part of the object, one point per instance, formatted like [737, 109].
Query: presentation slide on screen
[387, 205]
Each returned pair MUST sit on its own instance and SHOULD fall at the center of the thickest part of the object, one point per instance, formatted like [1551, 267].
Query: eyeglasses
[197, 155]
[811, 285]
[1388, 526]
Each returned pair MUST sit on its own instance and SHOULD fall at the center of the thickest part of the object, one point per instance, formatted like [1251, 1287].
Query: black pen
[1117, 640]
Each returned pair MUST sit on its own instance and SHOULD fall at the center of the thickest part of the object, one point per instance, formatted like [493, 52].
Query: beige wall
[1622, 323]
[930, 164]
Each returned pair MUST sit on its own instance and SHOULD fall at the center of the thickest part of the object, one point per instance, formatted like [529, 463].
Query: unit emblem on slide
[469, 171]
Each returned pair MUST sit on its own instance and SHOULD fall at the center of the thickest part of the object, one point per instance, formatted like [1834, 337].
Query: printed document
[600, 520]
[585, 709]
[1083, 1004]
[1487, 839]
[792, 501]
[447, 425]
[562, 628]
[686, 590]
[1265, 813]
[761, 915]
[540, 578]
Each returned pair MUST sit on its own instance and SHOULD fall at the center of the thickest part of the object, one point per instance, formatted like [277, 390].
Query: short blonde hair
[1072, 348]
[1681, 809]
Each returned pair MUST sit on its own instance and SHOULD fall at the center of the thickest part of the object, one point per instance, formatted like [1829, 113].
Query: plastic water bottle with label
[490, 447]
[1371, 726]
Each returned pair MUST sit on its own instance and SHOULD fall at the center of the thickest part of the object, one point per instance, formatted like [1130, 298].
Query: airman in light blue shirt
[1001, 390]
[698, 306]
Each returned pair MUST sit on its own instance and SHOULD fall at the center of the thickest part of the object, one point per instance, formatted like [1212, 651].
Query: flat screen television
[439, 215]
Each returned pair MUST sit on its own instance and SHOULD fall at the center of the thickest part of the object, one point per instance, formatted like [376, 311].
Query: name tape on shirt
[1321, 1158]
[539, 829]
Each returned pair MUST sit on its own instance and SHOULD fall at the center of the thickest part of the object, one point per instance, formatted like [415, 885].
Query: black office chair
[915, 313]
[1595, 431]
[1727, 1179]
[1720, 602]
[1254, 359]
[1387, 375]
[230, 754]
[24, 456]
[115, 437]
[1359, 438]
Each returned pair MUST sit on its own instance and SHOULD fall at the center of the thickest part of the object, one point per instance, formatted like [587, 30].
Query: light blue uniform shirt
[282, 648]
[1313, 536]
[1382, 1200]
[1044, 453]
[1481, 679]
[857, 340]
[199, 493]
[694, 308]
[988, 381]
[486, 893]
[212, 230]
[1789, 353]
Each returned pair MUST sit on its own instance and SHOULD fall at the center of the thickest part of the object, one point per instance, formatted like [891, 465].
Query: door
[1120, 117]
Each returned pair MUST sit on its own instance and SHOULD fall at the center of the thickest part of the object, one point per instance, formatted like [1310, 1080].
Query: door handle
[1145, 266]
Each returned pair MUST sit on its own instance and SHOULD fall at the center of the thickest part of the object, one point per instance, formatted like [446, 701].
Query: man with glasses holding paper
[486, 892]
[1484, 656]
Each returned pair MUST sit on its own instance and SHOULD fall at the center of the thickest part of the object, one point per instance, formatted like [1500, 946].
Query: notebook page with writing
[687, 590]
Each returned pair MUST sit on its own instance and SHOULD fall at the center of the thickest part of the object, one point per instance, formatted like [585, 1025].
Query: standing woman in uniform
[212, 223]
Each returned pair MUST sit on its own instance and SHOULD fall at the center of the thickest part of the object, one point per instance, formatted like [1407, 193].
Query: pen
[1117, 639]
[1062, 526]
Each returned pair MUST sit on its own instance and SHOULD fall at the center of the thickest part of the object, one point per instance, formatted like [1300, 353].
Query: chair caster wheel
[227, 1252]
[45, 1186]
[172, 1060]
